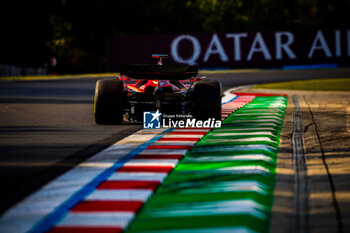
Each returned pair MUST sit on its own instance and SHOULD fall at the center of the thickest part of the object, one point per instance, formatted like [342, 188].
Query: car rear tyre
[108, 102]
[207, 100]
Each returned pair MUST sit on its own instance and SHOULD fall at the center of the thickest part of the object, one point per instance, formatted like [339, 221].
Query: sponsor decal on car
[153, 120]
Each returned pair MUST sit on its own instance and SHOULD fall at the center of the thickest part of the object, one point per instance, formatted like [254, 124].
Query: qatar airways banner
[234, 49]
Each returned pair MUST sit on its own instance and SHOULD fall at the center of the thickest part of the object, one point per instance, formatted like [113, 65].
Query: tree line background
[75, 31]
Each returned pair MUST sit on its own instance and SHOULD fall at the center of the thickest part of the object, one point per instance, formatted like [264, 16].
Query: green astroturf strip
[226, 182]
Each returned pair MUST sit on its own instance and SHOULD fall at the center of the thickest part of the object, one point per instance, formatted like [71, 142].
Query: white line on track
[228, 96]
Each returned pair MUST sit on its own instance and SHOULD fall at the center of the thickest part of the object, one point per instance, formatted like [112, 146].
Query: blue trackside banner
[235, 49]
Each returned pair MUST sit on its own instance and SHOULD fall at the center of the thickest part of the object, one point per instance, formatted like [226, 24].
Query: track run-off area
[224, 183]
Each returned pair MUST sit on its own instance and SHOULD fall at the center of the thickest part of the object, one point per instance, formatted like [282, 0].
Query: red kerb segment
[96, 206]
[194, 128]
[188, 133]
[85, 230]
[159, 156]
[163, 169]
[179, 139]
[152, 185]
[187, 147]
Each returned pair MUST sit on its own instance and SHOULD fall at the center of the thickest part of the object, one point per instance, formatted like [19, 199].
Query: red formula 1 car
[169, 89]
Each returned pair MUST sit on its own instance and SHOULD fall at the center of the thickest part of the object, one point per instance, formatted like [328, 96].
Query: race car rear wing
[178, 72]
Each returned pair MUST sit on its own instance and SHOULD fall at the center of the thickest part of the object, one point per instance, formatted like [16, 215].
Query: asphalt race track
[47, 127]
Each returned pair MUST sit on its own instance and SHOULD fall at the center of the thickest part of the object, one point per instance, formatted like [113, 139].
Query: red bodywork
[139, 85]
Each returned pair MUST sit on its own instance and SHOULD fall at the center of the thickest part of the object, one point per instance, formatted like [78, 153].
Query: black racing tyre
[207, 100]
[108, 102]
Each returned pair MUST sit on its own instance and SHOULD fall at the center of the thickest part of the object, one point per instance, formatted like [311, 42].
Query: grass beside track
[339, 84]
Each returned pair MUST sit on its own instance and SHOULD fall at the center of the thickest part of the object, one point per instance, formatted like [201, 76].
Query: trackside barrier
[9, 71]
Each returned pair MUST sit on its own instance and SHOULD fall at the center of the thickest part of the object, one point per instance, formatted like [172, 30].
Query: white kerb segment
[137, 138]
[172, 143]
[119, 195]
[228, 96]
[97, 219]
[152, 162]
[138, 176]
